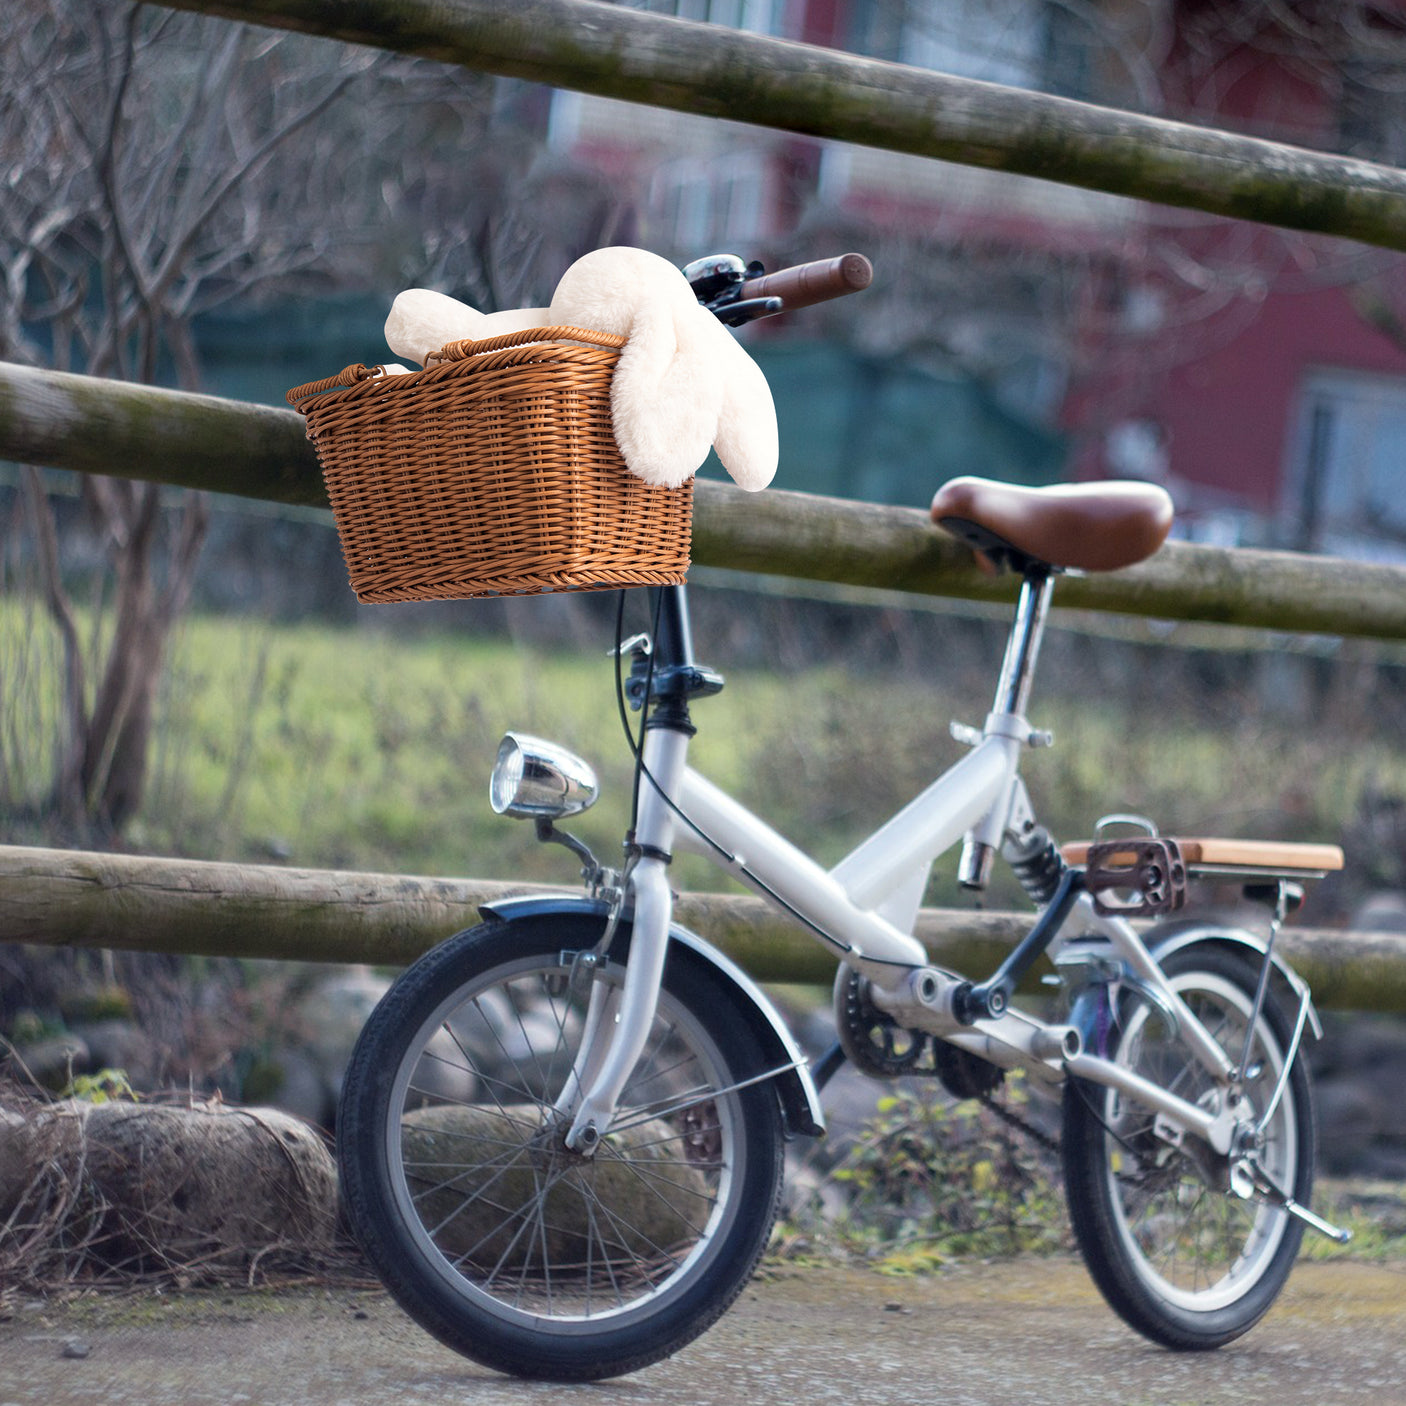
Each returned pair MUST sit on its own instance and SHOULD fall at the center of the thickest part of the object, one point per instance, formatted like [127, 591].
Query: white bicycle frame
[864, 909]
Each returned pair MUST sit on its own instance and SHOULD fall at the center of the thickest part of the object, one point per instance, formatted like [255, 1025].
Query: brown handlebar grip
[817, 282]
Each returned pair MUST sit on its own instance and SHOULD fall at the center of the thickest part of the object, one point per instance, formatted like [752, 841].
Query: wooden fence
[62, 898]
[102, 427]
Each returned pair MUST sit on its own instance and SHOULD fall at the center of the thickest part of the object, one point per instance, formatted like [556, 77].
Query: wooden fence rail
[112, 427]
[714, 71]
[65, 898]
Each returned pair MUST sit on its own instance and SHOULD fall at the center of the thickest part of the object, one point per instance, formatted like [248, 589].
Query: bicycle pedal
[1143, 877]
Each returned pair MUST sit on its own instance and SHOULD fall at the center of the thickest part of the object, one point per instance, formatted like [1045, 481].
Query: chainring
[878, 1046]
[875, 1043]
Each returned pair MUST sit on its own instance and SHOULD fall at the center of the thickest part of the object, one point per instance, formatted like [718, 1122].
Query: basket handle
[347, 376]
[462, 350]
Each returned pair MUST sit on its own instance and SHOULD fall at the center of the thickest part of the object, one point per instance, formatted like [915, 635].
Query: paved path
[1027, 1331]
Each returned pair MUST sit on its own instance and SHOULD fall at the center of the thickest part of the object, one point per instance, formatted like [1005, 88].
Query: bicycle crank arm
[1248, 1181]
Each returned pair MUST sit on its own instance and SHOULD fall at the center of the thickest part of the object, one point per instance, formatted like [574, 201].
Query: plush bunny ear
[666, 393]
[421, 321]
[746, 438]
[666, 396]
[682, 382]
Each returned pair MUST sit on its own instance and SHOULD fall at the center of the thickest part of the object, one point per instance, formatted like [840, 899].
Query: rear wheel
[493, 1235]
[1177, 1254]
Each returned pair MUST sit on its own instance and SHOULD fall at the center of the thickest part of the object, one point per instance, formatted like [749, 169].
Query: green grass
[361, 749]
[367, 748]
[1375, 1213]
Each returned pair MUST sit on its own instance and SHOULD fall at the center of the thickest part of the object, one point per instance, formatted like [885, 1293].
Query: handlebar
[738, 292]
[808, 284]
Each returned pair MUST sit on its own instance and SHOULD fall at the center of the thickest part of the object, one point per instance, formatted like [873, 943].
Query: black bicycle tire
[400, 1258]
[1089, 1192]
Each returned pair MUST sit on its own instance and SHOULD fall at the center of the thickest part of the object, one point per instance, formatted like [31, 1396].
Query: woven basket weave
[495, 471]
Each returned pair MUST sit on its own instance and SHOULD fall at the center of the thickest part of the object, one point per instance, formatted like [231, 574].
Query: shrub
[928, 1180]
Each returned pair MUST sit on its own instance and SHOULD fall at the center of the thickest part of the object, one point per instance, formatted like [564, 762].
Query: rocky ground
[1032, 1331]
[1359, 1067]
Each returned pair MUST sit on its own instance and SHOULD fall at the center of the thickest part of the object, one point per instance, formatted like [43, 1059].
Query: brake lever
[747, 310]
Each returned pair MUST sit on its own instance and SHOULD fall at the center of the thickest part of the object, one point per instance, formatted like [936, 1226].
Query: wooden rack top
[1250, 858]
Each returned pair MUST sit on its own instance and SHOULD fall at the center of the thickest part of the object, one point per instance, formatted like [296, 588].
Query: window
[1346, 487]
[701, 203]
[998, 41]
[757, 15]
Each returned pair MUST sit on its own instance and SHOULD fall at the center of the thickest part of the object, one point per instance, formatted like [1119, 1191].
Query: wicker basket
[493, 472]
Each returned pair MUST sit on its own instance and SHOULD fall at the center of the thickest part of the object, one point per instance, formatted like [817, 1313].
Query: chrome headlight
[533, 778]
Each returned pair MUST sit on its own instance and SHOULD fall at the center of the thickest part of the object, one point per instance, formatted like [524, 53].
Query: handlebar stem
[673, 649]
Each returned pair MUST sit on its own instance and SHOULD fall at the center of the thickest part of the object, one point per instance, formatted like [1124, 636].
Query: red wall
[1225, 386]
[1229, 413]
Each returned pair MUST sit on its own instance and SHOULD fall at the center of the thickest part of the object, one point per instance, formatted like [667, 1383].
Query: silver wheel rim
[616, 1267]
[1192, 1244]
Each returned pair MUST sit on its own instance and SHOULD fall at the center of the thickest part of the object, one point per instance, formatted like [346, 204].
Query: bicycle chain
[868, 1039]
[1014, 1120]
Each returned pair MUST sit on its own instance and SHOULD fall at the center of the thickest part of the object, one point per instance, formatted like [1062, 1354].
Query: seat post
[1023, 645]
[1012, 696]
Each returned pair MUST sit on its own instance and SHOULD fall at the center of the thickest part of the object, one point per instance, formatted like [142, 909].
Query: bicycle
[561, 1133]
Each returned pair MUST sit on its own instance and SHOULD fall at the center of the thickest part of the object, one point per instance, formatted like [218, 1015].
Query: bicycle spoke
[629, 1231]
[595, 1235]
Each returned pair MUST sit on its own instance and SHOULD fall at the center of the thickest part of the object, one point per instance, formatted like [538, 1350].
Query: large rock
[476, 1189]
[303, 1073]
[152, 1186]
[331, 1016]
[53, 1060]
[1360, 1068]
[120, 1043]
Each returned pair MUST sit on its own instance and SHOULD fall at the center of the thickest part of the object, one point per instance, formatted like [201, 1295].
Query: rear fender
[1167, 938]
[800, 1103]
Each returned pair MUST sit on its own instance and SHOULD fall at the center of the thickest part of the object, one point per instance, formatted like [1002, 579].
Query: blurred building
[1260, 374]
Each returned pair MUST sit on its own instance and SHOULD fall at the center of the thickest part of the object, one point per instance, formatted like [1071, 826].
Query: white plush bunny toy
[682, 383]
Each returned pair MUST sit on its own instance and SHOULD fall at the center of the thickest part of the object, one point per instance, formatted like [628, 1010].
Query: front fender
[1166, 938]
[800, 1103]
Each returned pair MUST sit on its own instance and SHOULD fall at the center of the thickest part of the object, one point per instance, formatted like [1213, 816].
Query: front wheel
[492, 1234]
[1176, 1254]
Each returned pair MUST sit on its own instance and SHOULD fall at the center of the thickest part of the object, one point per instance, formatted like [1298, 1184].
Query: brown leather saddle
[1069, 526]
